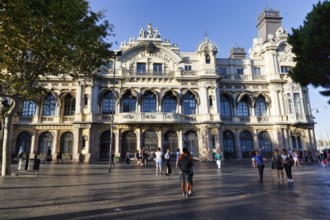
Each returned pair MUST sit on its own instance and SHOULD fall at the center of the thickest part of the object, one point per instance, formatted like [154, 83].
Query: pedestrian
[48, 157]
[128, 159]
[295, 159]
[20, 153]
[218, 158]
[137, 158]
[168, 163]
[185, 161]
[277, 163]
[113, 159]
[59, 156]
[252, 154]
[177, 154]
[287, 163]
[191, 175]
[159, 155]
[260, 159]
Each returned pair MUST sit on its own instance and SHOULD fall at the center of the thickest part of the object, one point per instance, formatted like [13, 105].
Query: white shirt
[159, 155]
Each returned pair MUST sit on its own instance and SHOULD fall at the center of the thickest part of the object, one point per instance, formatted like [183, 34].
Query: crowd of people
[280, 161]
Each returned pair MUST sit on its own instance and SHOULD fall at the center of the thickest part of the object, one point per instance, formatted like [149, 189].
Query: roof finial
[205, 34]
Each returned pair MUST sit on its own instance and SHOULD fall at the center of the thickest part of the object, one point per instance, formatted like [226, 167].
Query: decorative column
[56, 144]
[239, 153]
[117, 142]
[203, 106]
[76, 141]
[160, 140]
[78, 115]
[138, 139]
[217, 104]
[180, 140]
[33, 150]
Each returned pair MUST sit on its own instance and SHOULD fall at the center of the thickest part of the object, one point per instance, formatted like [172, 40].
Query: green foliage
[42, 38]
[311, 45]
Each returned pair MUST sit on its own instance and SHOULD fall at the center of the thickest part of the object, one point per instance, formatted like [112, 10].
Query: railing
[148, 74]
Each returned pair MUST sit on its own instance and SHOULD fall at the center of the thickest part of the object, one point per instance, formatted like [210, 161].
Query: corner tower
[268, 22]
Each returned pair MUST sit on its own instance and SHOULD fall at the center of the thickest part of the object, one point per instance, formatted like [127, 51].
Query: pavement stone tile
[88, 191]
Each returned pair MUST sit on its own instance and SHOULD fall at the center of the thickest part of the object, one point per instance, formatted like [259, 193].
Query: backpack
[185, 163]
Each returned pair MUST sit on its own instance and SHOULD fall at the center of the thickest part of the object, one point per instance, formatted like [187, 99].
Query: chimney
[268, 22]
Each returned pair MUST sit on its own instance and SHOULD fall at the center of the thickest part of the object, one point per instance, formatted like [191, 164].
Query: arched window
[246, 142]
[189, 104]
[169, 103]
[49, 105]
[265, 143]
[207, 58]
[108, 103]
[228, 142]
[243, 108]
[129, 102]
[225, 109]
[149, 102]
[29, 108]
[261, 108]
[69, 105]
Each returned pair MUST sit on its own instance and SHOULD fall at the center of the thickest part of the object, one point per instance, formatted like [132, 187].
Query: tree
[311, 45]
[41, 38]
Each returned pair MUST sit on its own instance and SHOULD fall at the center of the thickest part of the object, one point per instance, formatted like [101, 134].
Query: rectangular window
[285, 69]
[211, 101]
[157, 68]
[222, 71]
[141, 68]
[297, 103]
[240, 71]
[187, 67]
[256, 71]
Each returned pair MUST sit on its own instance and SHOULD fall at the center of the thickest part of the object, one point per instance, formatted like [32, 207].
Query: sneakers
[184, 194]
[291, 181]
[189, 193]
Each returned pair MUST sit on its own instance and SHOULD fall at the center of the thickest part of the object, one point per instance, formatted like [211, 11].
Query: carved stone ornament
[151, 47]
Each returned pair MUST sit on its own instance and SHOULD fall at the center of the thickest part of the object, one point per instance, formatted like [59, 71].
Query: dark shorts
[186, 177]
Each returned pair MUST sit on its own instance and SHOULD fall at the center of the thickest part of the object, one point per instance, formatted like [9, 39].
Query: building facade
[158, 96]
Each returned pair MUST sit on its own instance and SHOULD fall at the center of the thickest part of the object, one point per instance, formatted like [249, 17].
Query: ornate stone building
[166, 98]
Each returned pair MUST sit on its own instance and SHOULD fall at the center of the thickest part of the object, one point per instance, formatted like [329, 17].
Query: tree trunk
[6, 143]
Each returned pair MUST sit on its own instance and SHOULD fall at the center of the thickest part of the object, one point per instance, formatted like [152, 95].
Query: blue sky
[227, 23]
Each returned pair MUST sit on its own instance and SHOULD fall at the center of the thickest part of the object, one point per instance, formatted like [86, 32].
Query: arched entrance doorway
[150, 141]
[170, 141]
[105, 145]
[24, 140]
[191, 142]
[45, 140]
[67, 143]
[129, 143]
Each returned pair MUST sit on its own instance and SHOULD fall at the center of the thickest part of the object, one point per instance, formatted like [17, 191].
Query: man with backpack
[185, 162]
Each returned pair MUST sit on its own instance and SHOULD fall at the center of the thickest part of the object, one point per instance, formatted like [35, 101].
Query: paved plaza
[87, 191]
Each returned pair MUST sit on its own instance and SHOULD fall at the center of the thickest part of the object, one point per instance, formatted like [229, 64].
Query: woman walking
[287, 162]
[168, 163]
[277, 163]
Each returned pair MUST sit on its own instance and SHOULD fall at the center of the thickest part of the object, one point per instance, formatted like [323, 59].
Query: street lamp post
[116, 54]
